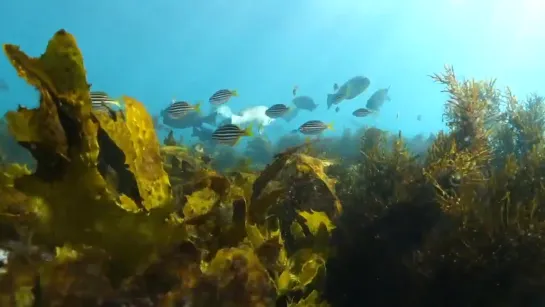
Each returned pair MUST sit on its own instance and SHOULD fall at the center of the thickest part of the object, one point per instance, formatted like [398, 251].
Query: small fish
[378, 98]
[349, 90]
[103, 107]
[313, 127]
[99, 99]
[362, 112]
[337, 109]
[397, 115]
[222, 96]
[277, 110]
[179, 109]
[101, 102]
[230, 134]
[419, 117]
[305, 103]
[294, 91]
[335, 86]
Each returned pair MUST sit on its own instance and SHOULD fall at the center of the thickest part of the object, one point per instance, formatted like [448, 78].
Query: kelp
[97, 223]
[486, 192]
[77, 205]
[461, 224]
[109, 216]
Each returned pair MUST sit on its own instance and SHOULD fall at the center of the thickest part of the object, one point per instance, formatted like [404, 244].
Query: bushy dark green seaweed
[109, 217]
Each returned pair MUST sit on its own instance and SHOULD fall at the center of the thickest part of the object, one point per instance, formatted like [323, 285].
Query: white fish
[253, 115]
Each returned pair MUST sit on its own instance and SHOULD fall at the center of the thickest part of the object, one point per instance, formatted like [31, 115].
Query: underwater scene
[272, 153]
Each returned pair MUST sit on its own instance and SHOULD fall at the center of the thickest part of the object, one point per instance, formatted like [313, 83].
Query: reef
[106, 215]
[109, 216]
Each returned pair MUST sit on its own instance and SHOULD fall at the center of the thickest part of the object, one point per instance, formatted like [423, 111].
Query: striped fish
[179, 109]
[313, 127]
[362, 112]
[101, 101]
[222, 96]
[277, 110]
[230, 134]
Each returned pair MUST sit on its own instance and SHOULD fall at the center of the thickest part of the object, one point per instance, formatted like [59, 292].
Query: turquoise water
[157, 50]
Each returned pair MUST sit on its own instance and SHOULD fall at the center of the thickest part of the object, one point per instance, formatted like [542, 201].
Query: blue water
[157, 50]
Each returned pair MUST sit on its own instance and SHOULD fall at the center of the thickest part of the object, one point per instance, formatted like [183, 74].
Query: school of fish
[181, 114]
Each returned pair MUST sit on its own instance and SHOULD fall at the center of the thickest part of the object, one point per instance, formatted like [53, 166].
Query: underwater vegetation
[107, 215]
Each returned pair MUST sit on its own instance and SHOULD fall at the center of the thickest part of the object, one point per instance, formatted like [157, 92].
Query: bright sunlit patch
[518, 28]
[522, 19]
[356, 8]
[457, 2]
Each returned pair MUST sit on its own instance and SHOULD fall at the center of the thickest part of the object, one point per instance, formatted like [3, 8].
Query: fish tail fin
[234, 93]
[248, 131]
[315, 106]
[198, 107]
[295, 131]
[119, 102]
[330, 126]
[330, 99]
